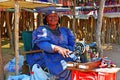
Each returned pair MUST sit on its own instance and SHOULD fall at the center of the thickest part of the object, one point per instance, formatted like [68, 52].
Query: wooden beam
[26, 4]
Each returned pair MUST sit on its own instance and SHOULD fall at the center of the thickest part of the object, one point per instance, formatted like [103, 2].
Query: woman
[57, 44]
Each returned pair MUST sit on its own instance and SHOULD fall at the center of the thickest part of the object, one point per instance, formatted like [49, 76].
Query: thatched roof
[25, 4]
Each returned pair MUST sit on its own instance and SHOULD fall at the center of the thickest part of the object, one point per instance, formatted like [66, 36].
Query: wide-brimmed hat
[47, 10]
[51, 9]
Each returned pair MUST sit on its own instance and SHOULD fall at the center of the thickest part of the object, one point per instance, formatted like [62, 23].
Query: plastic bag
[10, 66]
[38, 74]
[19, 77]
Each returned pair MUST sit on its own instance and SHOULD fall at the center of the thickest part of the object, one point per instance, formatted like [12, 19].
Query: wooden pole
[17, 36]
[35, 19]
[1, 58]
[74, 18]
[114, 30]
[9, 30]
[98, 27]
[103, 31]
[118, 31]
[107, 32]
[41, 19]
[91, 28]
[24, 20]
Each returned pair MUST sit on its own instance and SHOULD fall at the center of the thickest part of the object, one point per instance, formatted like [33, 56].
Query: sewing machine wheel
[80, 47]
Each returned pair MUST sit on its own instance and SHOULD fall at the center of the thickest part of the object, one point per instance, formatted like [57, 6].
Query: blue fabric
[44, 0]
[65, 75]
[19, 77]
[43, 38]
[10, 66]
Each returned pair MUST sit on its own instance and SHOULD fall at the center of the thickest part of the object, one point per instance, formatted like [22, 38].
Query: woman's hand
[65, 52]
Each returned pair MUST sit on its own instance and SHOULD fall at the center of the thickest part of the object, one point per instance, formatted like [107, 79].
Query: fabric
[44, 0]
[44, 39]
[19, 77]
[10, 66]
[65, 75]
[55, 32]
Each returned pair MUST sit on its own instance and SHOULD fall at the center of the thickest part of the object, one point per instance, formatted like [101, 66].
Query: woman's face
[52, 19]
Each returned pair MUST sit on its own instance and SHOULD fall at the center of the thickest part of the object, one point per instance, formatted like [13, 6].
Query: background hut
[16, 6]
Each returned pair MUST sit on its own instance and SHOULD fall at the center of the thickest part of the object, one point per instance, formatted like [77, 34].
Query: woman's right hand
[65, 52]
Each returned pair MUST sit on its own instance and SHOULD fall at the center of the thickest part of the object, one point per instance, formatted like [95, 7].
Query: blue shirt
[44, 38]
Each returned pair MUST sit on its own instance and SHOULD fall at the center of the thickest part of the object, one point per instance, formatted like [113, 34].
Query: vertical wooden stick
[74, 18]
[17, 36]
[1, 58]
[98, 27]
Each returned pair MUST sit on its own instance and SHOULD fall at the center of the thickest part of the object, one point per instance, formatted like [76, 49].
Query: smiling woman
[52, 20]
[57, 42]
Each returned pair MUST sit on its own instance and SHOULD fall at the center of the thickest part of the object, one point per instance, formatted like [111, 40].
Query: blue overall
[44, 38]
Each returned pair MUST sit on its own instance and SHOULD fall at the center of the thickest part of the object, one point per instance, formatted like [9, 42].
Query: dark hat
[47, 10]
[50, 9]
